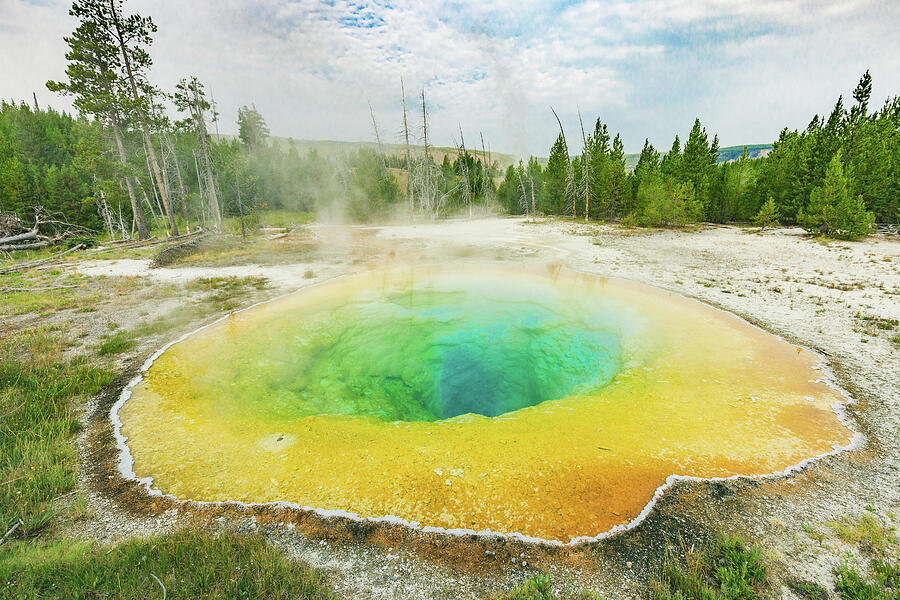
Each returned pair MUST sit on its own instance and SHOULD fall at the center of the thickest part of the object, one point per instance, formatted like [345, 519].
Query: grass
[119, 342]
[850, 585]
[725, 569]
[865, 531]
[187, 564]
[883, 581]
[38, 392]
[224, 292]
[808, 590]
[32, 292]
[539, 588]
[256, 249]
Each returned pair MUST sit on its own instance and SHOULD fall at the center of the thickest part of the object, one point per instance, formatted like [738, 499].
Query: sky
[647, 68]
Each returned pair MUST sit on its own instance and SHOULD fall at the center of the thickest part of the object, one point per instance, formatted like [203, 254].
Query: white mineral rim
[126, 461]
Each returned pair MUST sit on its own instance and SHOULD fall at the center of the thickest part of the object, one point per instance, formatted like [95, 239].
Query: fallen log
[28, 235]
[39, 288]
[33, 263]
[26, 246]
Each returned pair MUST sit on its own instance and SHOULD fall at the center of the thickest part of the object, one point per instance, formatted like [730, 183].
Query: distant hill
[333, 148]
[731, 153]
[726, 154]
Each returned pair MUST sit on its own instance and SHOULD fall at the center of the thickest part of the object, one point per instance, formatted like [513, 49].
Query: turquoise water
[420, 355]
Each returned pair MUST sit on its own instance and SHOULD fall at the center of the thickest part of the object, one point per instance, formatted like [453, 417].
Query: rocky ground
[840, 298]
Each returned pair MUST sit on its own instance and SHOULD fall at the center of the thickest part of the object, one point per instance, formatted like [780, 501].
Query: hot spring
[533, 401]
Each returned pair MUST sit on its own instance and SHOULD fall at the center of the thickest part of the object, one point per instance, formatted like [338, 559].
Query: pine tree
[252, 128]
[698, 162]
[852, 220]
[833, 210]
[767, 215]
[671, 161]
[95, 79]
[556, 180]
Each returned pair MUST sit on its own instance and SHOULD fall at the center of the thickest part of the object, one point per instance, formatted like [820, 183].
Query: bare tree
[587, 168]
[487, 183]
[377, 136]
[425, 146]
[570, 177]
[124, 32]
[138, 219]
[155, 196]
[463, 156]
[519, 170]
[409, 189]
[190, 97]
[105, 212]
[169, 154]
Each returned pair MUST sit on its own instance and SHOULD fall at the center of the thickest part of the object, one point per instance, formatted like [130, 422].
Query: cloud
[646, 67]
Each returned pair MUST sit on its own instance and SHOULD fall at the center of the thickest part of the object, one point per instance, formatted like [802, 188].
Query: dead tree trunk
[430, 194]
[204, 207]
[377, 137]
[137, 98]
[519, 172]
[197, 113]
[139, 220]
[105, 213]
[182, 194]
[587, 169]
[570, 177]
[155, 196]
[533, 203]
[464, 168]
[409, 193]
[487, 184]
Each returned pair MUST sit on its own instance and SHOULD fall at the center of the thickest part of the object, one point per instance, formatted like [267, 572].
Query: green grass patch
[540, 588]
[865, 531]
[885, 584]
[189, 564]
[725, 569]
[808, 590]
[38, 391]
[121, 341]
[40, 292]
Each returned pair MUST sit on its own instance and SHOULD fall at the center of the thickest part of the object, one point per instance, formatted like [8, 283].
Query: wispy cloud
[747, 68]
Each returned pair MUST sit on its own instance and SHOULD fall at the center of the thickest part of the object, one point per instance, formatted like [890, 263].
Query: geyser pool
[536, 401]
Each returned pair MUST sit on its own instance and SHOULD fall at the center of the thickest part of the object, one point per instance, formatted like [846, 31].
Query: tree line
[137, 160]
[837, 177]
[123, 165]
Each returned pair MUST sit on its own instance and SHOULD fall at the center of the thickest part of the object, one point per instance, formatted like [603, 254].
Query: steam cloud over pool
[542, 402]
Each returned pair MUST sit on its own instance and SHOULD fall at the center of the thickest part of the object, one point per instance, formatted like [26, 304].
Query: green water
[418, 355]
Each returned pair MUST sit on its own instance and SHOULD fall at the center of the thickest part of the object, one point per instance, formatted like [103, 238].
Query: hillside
[339, 148]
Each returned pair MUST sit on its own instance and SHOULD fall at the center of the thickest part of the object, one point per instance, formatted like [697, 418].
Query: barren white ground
[826, 296]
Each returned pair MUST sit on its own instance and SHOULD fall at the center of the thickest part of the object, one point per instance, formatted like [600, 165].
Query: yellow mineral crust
[700, 393]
